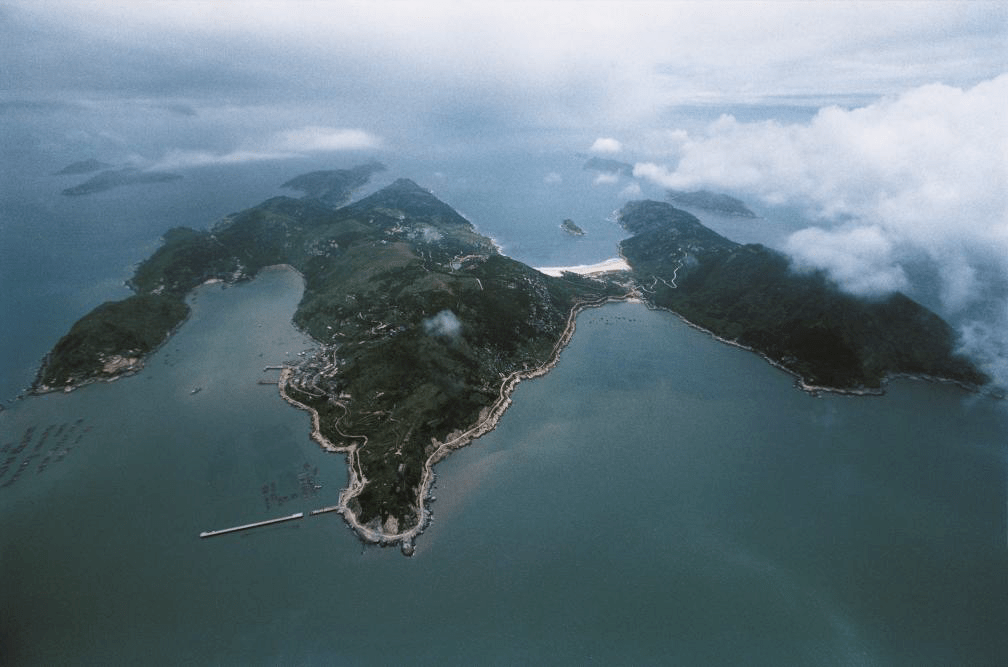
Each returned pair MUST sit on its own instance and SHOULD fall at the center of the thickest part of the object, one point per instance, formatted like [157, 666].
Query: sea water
[658, 496]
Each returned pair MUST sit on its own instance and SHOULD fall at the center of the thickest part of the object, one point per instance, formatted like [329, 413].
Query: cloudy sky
[390, 67]
[883, 122]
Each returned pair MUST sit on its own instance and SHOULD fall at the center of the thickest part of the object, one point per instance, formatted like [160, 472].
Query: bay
[657, 497]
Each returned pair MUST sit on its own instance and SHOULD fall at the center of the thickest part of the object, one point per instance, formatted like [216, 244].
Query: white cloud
[282, 145]
[444, 323]
[985, 341]
[525, 63]
[631, 191]
[925, 171]
[552, 178]
[659, 174]
[606, 145]
[922, 175]
[606, 178]
[859, 258]
[182, 159]
[314, 139]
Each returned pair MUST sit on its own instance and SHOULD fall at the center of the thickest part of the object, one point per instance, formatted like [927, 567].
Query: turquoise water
[658, 497]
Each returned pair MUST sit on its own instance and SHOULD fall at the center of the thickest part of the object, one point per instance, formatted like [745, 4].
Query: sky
[883, 122]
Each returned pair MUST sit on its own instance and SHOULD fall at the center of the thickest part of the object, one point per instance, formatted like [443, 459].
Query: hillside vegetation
[418, 317]
[750, 294]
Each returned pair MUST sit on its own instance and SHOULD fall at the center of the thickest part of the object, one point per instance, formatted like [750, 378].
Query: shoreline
[813, 389]
[489, 416]
[141, 363]
[487, 421]
[134, 368]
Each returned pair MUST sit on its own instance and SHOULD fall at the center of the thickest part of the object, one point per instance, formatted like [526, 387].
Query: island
[609, 166]
[335, 186]
[750, 296]
[711, 201]
[572, 229]
[82, 167]
[424, 329]
[114, 178]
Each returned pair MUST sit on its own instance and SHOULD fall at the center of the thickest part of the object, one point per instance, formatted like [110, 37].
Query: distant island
[82, 167]
[711, 201]
[115, 178]
[608, 165]
[424, 329]
[334, 187]
[572, 229]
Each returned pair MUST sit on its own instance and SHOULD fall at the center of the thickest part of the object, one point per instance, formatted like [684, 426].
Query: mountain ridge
[750, 295]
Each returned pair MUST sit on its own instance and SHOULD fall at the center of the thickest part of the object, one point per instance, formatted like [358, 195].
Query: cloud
[427, 234]
[282, 145]
[552, 178]
[985, 341]
[474, 68]
[606, 178]
[184, 159]
[315, 139]
[859, 258]
[631, 191]
[923, 172]
[444, 324]
[606, 145]
[922, 176]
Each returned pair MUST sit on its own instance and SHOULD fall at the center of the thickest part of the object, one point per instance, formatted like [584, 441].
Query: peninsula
[423, 331]
[749, 295]
[114, 178]
[714, 202]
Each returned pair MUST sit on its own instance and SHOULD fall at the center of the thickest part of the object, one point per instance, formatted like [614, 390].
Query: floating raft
[257, 524]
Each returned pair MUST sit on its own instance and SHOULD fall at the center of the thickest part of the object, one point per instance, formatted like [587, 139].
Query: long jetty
[257, 524]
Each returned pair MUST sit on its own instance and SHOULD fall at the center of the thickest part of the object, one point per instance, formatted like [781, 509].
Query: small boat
[196, 390]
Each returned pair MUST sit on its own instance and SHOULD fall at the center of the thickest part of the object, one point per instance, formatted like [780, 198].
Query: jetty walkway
[269, 522]
[257, 524]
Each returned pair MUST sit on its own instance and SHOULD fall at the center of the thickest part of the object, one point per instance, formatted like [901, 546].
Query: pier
[257, 524]
[323, 510]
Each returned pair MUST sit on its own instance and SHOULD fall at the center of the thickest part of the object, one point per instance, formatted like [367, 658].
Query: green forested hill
[750, 294]
[418, 317]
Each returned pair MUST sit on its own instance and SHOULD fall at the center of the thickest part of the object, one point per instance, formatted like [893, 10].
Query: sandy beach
[606, 266]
